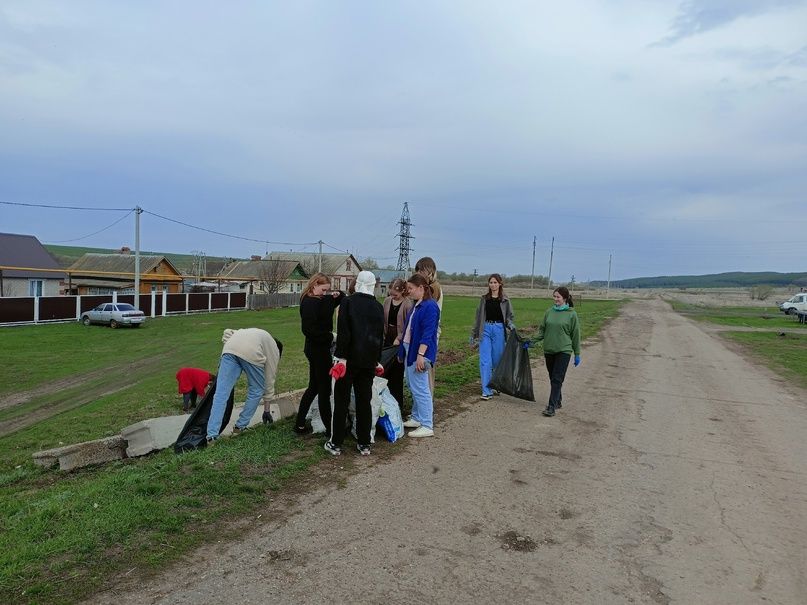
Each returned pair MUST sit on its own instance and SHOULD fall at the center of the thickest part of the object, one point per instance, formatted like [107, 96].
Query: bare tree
[272, 276]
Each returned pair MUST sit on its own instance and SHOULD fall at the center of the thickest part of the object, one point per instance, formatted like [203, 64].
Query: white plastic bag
[375, 406]
[313, 415]
[390, 408]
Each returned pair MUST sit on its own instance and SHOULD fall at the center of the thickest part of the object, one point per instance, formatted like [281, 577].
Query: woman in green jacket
[560, 333]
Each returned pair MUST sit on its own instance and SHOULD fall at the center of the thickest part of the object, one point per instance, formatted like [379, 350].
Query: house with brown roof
[107, 273]
[342, 268]
[262, 276]
[27, 268]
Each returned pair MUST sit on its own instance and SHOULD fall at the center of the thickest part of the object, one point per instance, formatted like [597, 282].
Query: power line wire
[65, 207]
[241, 237]
[75, 239]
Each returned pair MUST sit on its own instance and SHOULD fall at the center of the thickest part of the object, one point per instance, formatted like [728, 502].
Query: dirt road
[675, 472]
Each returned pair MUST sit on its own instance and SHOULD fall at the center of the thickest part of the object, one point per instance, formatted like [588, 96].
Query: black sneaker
[302, 430]
[267, 418]
[558, 405]
[332, 449]
[364, 450]
[549, 411]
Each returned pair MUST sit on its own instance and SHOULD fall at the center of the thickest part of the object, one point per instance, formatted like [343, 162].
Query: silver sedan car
[114, 314]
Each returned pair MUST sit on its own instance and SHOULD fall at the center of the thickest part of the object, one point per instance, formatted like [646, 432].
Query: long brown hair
[428, 269]
[316, 280]
[564, 292]
[419, 280]
[499, 279]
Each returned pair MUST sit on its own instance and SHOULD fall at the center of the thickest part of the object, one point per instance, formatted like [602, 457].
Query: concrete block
[84, 454]
[153, 434]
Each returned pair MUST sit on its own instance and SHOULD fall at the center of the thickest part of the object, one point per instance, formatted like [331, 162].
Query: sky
[667, 137]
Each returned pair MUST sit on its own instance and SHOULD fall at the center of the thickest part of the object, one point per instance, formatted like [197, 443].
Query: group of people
[559, 332]
[409, 321]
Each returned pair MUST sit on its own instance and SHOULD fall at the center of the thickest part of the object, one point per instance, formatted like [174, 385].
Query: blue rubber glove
[576, 360]
[526, 344]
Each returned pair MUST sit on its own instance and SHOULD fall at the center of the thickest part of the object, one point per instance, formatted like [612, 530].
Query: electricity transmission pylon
[404, 236]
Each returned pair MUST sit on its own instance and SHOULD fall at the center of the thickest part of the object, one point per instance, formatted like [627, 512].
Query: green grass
[62, 536]
[750, 317]
[785, 355]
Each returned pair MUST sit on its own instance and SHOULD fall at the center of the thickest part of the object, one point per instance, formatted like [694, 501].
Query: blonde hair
[316, 280]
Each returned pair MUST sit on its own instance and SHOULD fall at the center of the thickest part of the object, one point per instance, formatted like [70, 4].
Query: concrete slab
[153, 434]
[79, 455]
[159, 433]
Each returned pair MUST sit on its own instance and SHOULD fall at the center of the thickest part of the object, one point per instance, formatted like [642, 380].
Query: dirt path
[674, 473]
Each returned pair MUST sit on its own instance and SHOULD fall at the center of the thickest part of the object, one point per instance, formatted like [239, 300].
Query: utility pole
[475, 274]
[551, 256]
[138, 212]
[319, 267]
[532, 275]
[608, 286]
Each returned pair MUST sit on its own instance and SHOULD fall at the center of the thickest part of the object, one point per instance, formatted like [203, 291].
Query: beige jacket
[257, 347]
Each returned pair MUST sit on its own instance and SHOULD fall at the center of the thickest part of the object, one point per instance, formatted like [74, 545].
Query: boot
[549, 411]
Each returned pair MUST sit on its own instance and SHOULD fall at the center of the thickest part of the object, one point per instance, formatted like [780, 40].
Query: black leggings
[319, 385]
[556, 366]
[360, 380]
[395, 381]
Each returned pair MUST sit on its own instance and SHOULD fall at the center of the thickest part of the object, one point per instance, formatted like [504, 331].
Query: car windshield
[125, 307]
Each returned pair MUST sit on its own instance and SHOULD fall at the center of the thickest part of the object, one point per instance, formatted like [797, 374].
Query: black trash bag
[194, 434]
[388, 355]
[513, 375]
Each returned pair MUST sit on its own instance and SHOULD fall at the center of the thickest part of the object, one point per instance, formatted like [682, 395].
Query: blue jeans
[491, 347]
[422, 402]
[230, 368]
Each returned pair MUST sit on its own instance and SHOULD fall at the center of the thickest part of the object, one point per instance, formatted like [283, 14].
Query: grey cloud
[699, 16]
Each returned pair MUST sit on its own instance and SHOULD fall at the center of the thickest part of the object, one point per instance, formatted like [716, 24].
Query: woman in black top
[493, 315]
[396, 306]
[316, 312]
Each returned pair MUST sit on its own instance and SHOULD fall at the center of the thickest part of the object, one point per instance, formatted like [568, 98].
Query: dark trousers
[395, 381]
[319, 385]
[556, 366]
[361, 381]
[189, 400]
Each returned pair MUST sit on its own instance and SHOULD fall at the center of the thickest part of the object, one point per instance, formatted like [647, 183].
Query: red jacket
[193, 379]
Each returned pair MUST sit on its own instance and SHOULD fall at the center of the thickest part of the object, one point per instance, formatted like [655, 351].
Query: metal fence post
[153, 301]
[36, 309]
[165, 301]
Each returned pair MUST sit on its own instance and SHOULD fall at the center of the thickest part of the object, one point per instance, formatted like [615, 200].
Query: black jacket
[317, 319]
[360, 330]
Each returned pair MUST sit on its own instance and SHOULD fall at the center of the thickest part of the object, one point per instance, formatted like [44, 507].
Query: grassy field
[62, 536]
[750, 317]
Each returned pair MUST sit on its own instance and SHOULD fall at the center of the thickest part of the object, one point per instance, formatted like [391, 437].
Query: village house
[262, 276]
[27, 268]
[108, 273]
[342, 268]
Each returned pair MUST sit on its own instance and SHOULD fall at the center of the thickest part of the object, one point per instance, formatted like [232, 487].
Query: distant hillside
[67, 255]
[736, 279]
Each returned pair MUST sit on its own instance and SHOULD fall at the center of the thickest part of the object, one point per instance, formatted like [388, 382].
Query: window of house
[337, 283]
[347, 264]
[35, 287]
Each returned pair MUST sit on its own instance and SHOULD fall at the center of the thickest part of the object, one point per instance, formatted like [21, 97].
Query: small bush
[761, 292]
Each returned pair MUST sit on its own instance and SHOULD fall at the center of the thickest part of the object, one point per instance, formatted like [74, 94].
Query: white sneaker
[486, 397]
[422, 432]
[411, 424]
